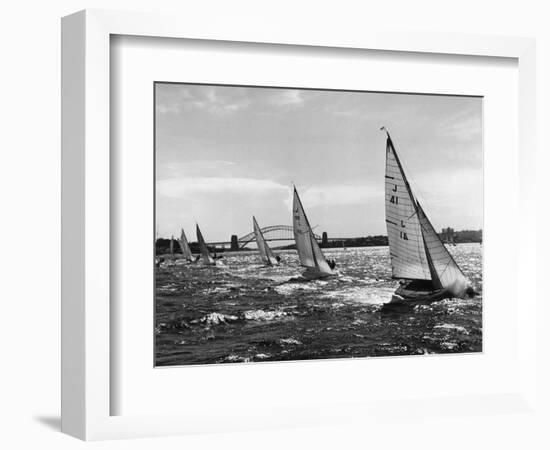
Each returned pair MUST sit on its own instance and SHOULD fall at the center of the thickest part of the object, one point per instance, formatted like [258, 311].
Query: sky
[225, 153]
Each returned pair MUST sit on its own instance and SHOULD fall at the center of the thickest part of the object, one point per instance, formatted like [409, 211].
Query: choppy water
[241, 311]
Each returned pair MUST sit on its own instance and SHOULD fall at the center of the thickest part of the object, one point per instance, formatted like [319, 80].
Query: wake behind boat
[309, 252]
[427, 270]
[267, 255]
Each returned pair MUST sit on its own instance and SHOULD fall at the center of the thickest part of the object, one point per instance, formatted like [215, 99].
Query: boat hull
[313, 274]
[416, 293]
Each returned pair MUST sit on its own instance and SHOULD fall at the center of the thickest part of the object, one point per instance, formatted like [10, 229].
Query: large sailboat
[309, 252]
[185, 250]
[205, 254]
[427, 270]
[267, 255]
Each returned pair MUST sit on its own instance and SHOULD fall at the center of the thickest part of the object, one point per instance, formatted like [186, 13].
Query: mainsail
[416, 251]
[308, 249]
[206, 258]
[266, 253]
[184, 245]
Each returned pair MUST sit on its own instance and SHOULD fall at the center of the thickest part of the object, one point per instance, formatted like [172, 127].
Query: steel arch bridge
[271, 233]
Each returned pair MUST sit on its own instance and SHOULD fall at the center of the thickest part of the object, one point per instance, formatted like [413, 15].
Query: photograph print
[302, 224]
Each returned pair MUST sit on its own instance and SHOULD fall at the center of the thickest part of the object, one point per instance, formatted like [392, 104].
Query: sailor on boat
[427, 270]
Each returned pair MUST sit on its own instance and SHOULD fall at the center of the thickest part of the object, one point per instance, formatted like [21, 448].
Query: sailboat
[172, 247]
[452, 240]
[449, 236]
[205, 254]
[309, 252]
[267, 255]
[418, 256]
[185, 250]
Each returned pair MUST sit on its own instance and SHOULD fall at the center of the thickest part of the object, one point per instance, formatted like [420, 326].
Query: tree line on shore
[162, 245]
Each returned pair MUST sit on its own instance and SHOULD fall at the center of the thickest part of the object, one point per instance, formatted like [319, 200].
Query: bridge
[271, 233]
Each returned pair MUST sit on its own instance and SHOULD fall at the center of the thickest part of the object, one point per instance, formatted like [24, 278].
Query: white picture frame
[86, 246]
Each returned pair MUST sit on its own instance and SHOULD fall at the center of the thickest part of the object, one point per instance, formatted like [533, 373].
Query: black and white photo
[301, 224]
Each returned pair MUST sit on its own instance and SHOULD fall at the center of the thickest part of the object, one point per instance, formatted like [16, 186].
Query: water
[241, 311]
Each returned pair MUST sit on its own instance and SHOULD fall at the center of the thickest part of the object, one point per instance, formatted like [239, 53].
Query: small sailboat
[207, 260]
[452, 240]
[449, 237]
[185, 250]
[267, 255]
[309, 252]
[172, 247]
[427, 270]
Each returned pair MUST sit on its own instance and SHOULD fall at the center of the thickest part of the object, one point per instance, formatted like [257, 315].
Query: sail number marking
[394, 199]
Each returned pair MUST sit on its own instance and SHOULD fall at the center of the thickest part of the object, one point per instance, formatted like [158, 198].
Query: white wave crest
[237, 358]
[217, 318]
[450, 326]
[290, 341]
[261, 315]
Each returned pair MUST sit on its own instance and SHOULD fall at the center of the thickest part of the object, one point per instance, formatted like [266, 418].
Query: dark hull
[415, 293]
[312, 274]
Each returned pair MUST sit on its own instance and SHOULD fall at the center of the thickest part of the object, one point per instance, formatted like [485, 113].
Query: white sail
[448, 274]
[205, 254]
[172, 245]
[407, 252]
[308, 249]
[184, 245]
[266, 253]
[416, 250]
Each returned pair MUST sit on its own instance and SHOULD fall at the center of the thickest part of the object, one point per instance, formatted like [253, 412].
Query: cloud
[195, 168]
[339, 195]
[174, 99]
[464, 125]
[192, 186]
[167, 108]
[201, 169]
[287, 97]
[218, 105]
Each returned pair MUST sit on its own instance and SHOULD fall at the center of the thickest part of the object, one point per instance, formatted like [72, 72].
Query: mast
[407, 249]
[433, 273]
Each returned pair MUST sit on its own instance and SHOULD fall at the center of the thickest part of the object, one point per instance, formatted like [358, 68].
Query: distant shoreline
[162, 245]
[178, 255]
